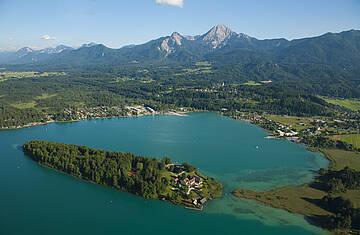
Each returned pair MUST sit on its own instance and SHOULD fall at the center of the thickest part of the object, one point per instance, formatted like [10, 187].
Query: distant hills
[219, 45]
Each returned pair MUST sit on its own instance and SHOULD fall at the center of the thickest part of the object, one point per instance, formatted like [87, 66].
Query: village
[117, 111]
[192, 189]
[297, 129]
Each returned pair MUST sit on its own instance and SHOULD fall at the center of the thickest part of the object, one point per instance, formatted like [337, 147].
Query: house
[281, 133]
[203, 200]
[150, 110]
[198, 179]
[192, 181]
[292, 133]
[176, 180]
[185, 182]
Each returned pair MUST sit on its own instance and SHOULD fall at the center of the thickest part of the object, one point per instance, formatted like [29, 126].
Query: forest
[46, 98]
[346, 215]
[102, 167]
[340, 181]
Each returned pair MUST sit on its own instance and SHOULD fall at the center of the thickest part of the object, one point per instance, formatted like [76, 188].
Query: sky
[115, 23]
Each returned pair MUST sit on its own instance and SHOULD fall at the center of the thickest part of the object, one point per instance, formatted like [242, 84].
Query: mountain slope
[220, 45]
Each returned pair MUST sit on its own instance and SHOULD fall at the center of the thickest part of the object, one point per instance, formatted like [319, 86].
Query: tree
[166, 160]
[139, 166]
[188, 167]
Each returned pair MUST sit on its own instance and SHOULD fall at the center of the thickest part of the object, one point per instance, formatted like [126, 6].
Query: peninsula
[146, 177]
[331, 200]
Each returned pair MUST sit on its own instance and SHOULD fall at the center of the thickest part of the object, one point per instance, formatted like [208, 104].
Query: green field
[27, 105]
[353, 139]
[352, 104]
[291, 121]
[45, 96]
[339, 159]
[31, 74]
[202, 63]
[195, 71]
[251, 83]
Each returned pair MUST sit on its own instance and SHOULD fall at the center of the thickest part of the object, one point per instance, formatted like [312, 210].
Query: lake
[37, 200]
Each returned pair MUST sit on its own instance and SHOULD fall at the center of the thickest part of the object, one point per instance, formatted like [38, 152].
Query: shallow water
[37, 200]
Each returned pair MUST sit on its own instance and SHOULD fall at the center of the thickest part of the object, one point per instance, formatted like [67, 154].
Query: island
[331, 201]
[145, 177]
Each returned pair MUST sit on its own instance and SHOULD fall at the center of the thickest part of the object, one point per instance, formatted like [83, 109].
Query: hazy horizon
[41, 24]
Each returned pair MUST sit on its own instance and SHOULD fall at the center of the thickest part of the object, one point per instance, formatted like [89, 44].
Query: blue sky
[115, 23]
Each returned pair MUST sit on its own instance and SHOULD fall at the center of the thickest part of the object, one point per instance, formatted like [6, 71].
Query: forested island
[145, 177]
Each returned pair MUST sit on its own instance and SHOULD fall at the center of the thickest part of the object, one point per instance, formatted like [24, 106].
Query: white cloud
[11, 39]
[178, 3]
[48, 37]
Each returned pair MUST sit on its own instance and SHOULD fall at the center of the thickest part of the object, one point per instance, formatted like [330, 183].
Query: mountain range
[219, 45]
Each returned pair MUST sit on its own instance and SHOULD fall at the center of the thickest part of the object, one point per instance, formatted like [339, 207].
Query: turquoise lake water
[37, 200]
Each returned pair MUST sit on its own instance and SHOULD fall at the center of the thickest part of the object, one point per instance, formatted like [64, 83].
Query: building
[203, 200]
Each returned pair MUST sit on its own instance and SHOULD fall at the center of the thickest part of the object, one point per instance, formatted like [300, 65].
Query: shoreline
[247, 197]
[34, 124]
[199, 207]
[179, 114]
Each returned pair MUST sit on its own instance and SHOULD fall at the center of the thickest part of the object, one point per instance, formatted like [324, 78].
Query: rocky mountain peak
[91, 44]
[170, 43]
[25, 49]
[23, 52]
[177, 38]
[217, 35]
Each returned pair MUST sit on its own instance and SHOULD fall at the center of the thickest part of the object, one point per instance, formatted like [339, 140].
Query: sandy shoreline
[180, 114]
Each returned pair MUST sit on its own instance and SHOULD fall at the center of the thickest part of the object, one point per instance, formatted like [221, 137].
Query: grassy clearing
[78, 104]
[291, 121]
[352, 104]
[45, 96]
[194, 70]
[142, 71]
[31, 74]
[198, 70]
[288, 198]
[202, 63]
[17, 74]
[353, 139]
[122, 79]
[251, 83]
[206, 71]
[340, 159]
[27, 105]
[189, 70]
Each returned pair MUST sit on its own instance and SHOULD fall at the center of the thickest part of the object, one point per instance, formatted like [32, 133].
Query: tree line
[124, 171]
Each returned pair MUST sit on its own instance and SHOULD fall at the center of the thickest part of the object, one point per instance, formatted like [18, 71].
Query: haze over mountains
[220, 45]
